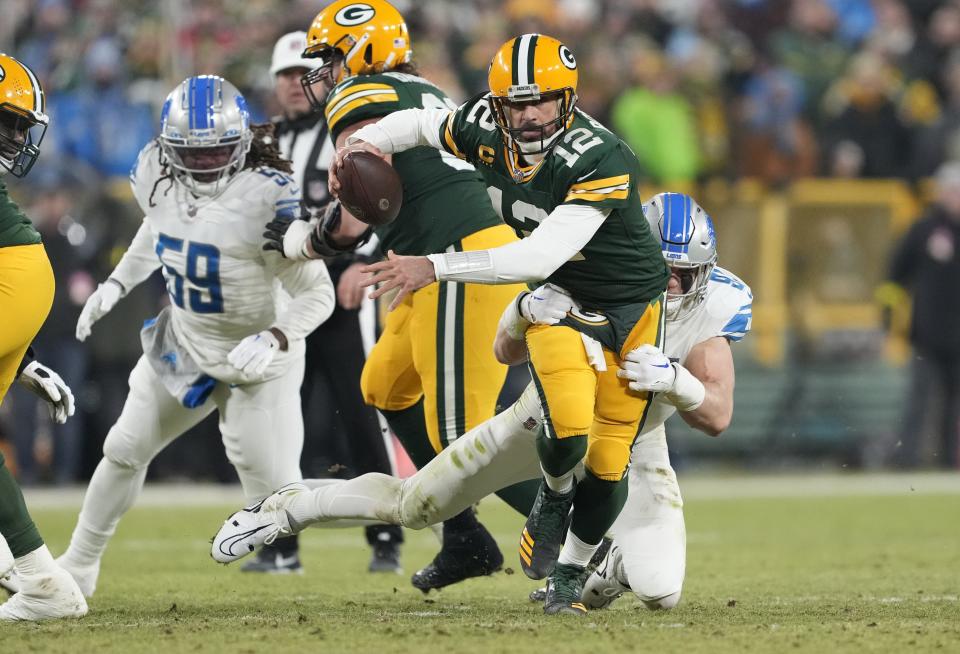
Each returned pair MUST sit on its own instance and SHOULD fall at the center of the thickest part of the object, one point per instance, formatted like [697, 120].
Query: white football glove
[50, 388]
[547, 305]
[97, 306]
[648, 369]
[253, 354]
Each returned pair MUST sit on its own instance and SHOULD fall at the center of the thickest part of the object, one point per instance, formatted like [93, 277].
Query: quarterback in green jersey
[432, 373]
[569, 187]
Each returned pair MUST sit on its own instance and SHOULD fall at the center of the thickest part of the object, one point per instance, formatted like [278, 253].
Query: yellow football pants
[577, 399]
[26, 294]
[439, 344]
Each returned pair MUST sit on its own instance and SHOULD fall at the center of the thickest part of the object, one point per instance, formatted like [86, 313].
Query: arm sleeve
[403, 130]
[560, 236]
[311, 296]
[138, 262]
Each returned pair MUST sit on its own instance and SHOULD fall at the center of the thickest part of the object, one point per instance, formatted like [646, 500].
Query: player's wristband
[688, 392]
[321, 237]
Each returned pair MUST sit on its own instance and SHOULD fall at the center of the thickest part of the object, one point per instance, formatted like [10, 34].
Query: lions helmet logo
[355, 15]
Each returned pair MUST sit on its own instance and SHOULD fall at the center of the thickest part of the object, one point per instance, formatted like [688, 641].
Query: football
[370, 188]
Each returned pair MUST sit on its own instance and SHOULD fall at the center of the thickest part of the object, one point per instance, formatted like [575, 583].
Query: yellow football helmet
[363, 37]
[533, 68]
[22, 119]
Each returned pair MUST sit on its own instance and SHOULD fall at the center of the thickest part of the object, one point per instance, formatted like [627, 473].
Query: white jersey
[223, 286]
[725, 311]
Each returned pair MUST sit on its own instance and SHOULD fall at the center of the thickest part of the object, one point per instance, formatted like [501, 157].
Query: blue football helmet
[688, 244]
[205, 133]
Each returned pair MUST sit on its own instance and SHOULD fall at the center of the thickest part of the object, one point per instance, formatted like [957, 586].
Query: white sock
[367, 499]
[112, 490]
[576, 552]
[563, 484]
[35, 563]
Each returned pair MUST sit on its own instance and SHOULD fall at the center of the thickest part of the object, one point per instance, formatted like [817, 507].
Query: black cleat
[564, 588]
[544, 532]
[386, 558]
[466, 554]
[270, 560]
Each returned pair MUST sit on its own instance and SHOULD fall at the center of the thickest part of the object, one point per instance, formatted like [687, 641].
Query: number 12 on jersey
[202, 272]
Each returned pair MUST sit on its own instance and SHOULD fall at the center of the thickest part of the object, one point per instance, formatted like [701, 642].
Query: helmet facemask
[693, 287]
[20, 137]
[324, 77]
[205, 169]
[544, 135]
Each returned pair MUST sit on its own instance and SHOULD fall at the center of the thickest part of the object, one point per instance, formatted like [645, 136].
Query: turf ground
[775, 564]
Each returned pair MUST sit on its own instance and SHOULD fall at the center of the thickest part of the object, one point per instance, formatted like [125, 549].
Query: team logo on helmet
[354, 15]
[567, 58]
[3, 73]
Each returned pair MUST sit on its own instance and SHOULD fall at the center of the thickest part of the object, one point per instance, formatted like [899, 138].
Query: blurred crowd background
[809, 129]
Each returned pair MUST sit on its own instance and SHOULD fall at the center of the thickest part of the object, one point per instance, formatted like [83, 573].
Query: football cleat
[544, 531]
[564, 588]
[255, 526]
[385, 558]
[51, 595]
[85, 575]
[598, 558]
[271, 561]
[605, 585]
[472, 553]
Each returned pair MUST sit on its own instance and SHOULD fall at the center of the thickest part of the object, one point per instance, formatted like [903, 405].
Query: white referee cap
[287, 53]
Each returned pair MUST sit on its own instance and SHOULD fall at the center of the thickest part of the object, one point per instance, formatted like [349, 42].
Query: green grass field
[824, 564]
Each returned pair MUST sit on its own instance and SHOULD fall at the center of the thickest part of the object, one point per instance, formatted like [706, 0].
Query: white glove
[253, 354]
[648, 369]
[546, 305]
[50, 388]
[97, 306]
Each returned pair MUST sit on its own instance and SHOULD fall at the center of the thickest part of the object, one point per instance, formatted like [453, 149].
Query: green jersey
[444, 198]
[622, 263]
[15, 227]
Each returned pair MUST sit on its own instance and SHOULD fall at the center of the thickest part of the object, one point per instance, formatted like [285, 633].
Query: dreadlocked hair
[264, 150]
[263, 153]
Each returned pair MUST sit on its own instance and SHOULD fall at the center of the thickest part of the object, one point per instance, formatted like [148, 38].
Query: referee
[345, 438]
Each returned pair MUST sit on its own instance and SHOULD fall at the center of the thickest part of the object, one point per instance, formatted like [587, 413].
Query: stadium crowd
[769, 89]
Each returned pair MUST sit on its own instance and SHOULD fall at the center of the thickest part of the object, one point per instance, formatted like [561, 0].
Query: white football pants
[650, 530]
[261, 426]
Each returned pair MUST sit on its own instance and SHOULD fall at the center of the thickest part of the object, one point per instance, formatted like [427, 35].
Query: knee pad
[664, 603]
[121, 448]
[416, 509]
[608, 458]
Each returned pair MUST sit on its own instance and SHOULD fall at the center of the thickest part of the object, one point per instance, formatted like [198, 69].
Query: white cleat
[604, 585]
[10, 582]
[48, 596]
[85, 576]
[255, 526]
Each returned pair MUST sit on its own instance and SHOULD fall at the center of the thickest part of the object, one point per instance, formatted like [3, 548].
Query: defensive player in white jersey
[707, 308]
[230, 340]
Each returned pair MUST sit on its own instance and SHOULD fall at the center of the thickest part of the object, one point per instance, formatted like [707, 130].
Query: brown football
[370, 188]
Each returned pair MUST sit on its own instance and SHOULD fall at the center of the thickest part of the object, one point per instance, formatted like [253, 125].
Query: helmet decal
[3, 73]
[355, 14]
[567, 58]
